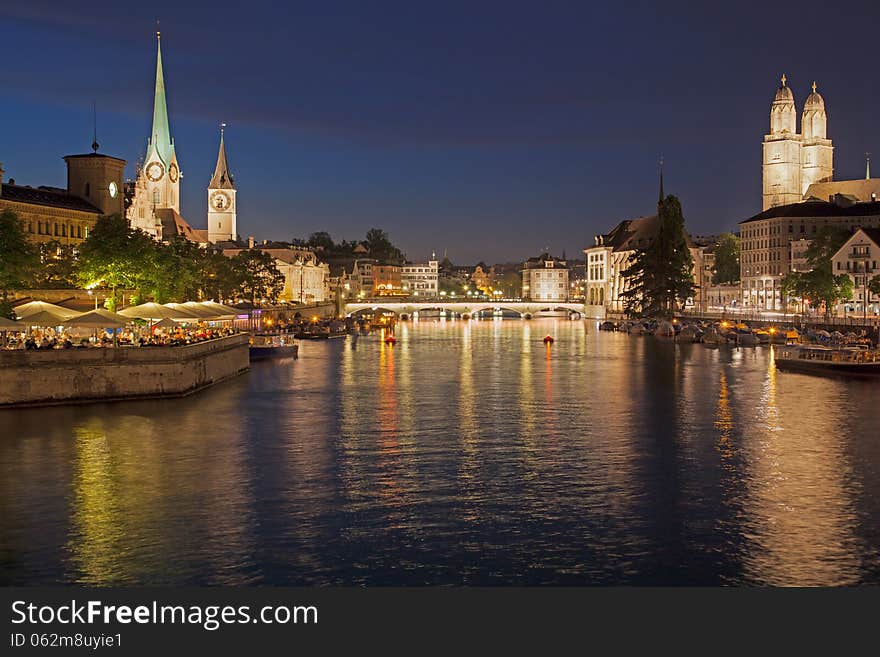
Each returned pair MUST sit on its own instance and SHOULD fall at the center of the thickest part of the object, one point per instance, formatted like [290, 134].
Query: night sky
[486, 129]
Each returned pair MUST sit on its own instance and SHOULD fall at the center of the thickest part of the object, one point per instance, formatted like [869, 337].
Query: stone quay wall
[69, 376]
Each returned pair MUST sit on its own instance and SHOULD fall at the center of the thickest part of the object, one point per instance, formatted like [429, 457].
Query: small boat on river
[265, 346]
[816, 359]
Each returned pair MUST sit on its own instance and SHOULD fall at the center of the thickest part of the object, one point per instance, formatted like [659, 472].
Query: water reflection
[468, 452]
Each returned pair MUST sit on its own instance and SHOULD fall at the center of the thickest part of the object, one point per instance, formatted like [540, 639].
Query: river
[468, 453]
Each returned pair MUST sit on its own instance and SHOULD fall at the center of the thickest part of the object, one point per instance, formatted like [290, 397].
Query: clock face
[114, 190]
[220, 201]
[172, 172]
[155, 171]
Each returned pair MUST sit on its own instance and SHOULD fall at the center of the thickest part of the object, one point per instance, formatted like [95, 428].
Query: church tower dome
[818, 152]
[814, 120]
[814, 100]
[782, 152]
[783, 114]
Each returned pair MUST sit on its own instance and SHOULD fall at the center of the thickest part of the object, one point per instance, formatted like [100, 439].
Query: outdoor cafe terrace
[42, 325]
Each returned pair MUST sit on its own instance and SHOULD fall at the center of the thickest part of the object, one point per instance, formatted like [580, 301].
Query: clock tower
[161, 169]
[221, 200]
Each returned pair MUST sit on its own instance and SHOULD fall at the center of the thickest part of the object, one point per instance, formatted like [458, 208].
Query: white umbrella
[166, 323]
[220, 308]
[7, 324]
[184, 314]
[44, 318]
[100, 318]
[34, 307]
[149, 311]
[209, 311]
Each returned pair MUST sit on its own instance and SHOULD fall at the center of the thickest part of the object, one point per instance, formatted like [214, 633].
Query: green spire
[160, 138]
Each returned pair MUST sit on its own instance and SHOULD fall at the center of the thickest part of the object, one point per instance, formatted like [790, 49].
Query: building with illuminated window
[420, 279]
[94, 188]
[858, 258]
[769, 239]
[545, 278]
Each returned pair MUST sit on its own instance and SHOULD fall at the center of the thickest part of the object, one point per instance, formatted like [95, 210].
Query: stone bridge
[525, 309]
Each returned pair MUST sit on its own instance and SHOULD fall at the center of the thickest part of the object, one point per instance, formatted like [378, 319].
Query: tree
[825, 243]
[57, 270]
[18, 259]
[381, 248]
[116, 257]
[176, 271]
[660, 275]
[220, 278]
[726, 260]
[874, 287]
[820, 285]
[258, 275]
[322, 240]
[793, 285]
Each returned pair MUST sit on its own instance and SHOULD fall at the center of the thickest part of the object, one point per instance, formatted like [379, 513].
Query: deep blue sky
[488, 129]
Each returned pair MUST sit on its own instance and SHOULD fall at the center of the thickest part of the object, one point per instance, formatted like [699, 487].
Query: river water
[468, 453]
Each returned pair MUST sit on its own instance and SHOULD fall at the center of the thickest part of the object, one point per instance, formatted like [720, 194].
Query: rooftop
[47, 196]
[809, 209]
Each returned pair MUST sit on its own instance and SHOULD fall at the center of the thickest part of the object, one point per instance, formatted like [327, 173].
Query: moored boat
[816, 359]
[275, 345]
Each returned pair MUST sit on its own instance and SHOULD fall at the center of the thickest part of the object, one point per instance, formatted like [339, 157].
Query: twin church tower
[793, 161]
[155, 195]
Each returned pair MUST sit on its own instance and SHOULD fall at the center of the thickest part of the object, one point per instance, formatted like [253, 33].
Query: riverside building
[420, 279]
[766, 247]
[858, 258]
[545, 278]
[612, 254]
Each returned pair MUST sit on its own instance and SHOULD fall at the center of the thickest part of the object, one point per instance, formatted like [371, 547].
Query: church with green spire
[154, 198]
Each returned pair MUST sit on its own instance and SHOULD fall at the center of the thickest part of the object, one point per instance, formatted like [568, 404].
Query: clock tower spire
[161, 169]
[221, 199]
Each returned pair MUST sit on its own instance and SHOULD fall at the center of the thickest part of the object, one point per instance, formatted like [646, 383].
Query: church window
[155, 197]
[30, 227]
[88, 190]
[56, 230]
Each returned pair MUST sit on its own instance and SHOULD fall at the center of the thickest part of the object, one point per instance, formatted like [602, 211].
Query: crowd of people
[49, 338]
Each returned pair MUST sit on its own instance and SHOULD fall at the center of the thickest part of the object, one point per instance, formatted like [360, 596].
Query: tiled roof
[632, 234]
[47, 196]
[860, 189]
[818, 209]
[873, 233]
[174, 224]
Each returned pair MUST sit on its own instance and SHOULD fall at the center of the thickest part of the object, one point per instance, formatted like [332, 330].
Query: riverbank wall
[75, 376]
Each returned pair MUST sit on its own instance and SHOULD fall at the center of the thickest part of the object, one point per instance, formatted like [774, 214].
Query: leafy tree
[57, 270]
[726, 260]
[116, 257]
[874, 285]
[825, 243]
[18, 259]
[322, 240]
[818, 287]
[258, 275]
[176, 270]
[660, 275]
[381, 248]
[220, 278]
